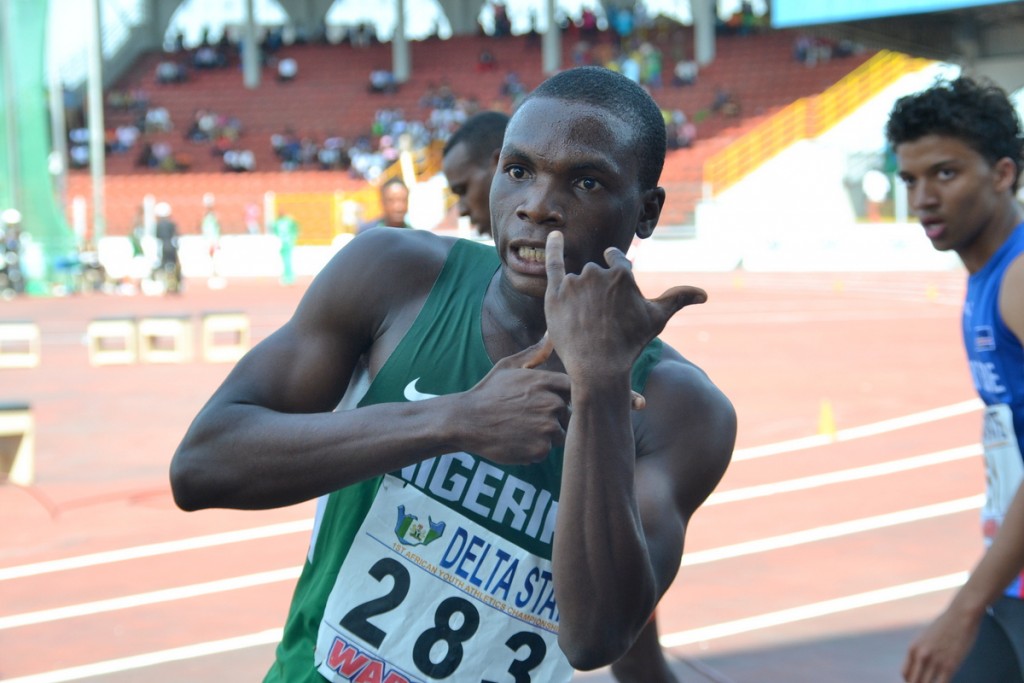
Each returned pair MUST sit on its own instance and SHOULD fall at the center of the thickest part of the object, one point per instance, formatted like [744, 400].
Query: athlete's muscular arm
[268, 436]
[625, 501]
[938, 652]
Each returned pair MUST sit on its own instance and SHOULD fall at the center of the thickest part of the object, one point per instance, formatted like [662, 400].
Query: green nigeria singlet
[441, 570]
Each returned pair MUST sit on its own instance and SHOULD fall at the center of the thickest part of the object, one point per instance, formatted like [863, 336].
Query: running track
[845, 521]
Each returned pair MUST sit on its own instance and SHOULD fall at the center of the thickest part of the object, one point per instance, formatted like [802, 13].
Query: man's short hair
[482, 133]
[393, 180]
[613, 92]
[978, 112]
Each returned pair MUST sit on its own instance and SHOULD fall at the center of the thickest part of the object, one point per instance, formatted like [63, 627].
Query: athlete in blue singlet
[960, 146]
[493, 508]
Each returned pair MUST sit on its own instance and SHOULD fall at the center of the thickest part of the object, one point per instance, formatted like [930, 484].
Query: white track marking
[850, 433]
[154, 549]
[153, 597]
[814, 610]
[668, 640]
[822, 533]
[112, 666]
[212, 540]
[843, 476]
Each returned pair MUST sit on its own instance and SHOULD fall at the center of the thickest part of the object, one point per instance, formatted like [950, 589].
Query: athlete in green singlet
[438, 553]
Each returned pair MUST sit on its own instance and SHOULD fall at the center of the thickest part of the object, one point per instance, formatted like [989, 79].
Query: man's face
[953, 189]
[395, 200]
[571, 167]
[470, 181]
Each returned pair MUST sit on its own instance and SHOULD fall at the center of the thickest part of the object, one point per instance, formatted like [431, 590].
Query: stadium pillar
[552, 42]
[400, 62]
[97, 141]
[704, 16]
[250, 50]
[26, 183]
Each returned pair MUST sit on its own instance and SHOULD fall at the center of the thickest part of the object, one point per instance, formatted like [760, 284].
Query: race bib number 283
[425, 594]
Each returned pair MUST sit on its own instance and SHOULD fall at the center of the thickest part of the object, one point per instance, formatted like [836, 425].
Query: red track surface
[789, 349]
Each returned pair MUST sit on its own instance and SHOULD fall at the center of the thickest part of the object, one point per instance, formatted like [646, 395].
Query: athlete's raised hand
[598, 320]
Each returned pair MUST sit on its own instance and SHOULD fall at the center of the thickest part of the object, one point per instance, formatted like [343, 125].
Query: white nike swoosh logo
[412, 394]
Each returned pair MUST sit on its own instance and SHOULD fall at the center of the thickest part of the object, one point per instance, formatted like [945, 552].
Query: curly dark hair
[973, 110]
[613, 92]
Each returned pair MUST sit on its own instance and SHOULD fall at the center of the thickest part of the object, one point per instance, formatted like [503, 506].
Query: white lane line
[139, 599]
[813, 610]
[689, 559]
[151, 550]
[850, 433]
[830, 531]
[843, 476]
[669, 640]
[154, 549]
[111, 666]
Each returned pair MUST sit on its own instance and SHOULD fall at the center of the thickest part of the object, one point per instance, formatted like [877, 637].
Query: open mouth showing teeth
[532, 254]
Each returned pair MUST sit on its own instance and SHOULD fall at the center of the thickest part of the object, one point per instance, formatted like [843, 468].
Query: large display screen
[790, 13]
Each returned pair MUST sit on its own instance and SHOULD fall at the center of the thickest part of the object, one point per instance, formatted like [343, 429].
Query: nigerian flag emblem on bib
[410, 530]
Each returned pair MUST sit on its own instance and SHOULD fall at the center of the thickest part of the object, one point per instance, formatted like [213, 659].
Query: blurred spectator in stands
[532, 34]
[287, 69]
[748, 22]
[679, 130]
[685, 72]
[725, 102]
[382, 81]
[239, 160]
[147, 157]
[581, 53]
[394, 201]
[363, 35]
[78, 156]
[629, 65]
[170, 71]
[202, 127]
[125, 137]
[128, 100]
[486, 61]
[332, 154]
[502, 23]
[588, 25]
[512, 87]
[273, 40]
[158, 120]
[178, 45]
[209, 57]
[622, 23]
[651, 65]
[286, 146]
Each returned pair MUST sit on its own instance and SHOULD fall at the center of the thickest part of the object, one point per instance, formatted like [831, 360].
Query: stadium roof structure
[983, 37]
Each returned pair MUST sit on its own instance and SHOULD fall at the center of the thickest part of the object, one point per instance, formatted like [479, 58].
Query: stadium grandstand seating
[330, 96]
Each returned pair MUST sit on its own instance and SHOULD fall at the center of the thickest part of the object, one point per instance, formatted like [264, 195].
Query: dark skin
[470, 181]
[565, 204]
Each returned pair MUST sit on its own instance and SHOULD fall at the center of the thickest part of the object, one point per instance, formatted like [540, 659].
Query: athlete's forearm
[248, 457]
[1003, 560]
[602, 571]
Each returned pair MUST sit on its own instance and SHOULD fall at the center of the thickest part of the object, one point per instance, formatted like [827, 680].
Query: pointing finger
[554, 259]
